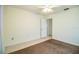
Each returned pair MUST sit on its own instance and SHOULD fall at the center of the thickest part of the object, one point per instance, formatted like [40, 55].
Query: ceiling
[38, 8]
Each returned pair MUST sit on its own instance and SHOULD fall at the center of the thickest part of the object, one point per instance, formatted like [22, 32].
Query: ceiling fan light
[47, 10]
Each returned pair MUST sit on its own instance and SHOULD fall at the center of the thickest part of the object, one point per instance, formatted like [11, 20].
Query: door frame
[1, 29]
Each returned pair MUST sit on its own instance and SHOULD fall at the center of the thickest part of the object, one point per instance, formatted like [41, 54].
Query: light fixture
[47, 10]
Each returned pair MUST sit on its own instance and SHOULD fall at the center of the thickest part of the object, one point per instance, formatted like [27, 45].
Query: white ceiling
[38, 8]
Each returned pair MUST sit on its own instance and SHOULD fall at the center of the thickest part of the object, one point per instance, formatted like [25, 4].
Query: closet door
[43, 28]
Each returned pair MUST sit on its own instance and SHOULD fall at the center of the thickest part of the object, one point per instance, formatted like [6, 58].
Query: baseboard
[16, 47]
[72, 43]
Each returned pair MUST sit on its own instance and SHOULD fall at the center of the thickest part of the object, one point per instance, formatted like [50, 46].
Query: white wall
[66, 26]
[20, 24]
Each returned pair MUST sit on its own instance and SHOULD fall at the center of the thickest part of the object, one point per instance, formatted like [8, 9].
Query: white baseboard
[25, 44]
[76, 44]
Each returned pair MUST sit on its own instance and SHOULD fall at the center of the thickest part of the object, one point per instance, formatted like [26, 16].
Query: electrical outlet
[12, 38]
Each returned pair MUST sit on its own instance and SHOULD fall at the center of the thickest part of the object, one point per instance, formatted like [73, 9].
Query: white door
[43, 28]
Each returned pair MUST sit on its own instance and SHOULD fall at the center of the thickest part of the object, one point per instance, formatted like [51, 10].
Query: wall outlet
[12, 38]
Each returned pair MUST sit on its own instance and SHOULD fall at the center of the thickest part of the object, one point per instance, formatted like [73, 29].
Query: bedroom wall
[66, 26]
[20, 25]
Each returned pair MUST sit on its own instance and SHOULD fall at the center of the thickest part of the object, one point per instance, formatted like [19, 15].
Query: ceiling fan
[48, 8]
